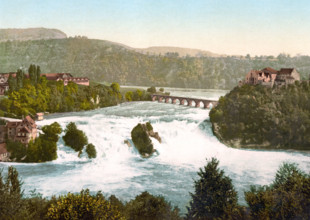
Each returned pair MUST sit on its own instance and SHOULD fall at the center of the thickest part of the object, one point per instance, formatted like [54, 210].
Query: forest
[101, 61]
[267, 118]
[29, 95]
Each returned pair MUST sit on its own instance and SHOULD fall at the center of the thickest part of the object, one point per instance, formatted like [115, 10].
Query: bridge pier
[197, 105]
[160, 99]
[174, 101]
[167, 100]
[154, 98]
[189, 102]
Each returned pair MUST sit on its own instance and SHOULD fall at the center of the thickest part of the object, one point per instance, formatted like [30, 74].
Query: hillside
[261, 117]
[30, 34]
[182, 52]
[106, 61]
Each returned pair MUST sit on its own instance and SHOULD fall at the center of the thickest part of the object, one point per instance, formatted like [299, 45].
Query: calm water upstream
[187, 142]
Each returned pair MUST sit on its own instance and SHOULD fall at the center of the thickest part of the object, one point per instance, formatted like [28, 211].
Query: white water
[187, 142]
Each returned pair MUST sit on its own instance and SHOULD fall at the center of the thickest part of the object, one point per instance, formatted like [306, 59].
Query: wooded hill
[106, 61]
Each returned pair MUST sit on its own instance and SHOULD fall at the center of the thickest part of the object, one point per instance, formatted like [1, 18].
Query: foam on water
[187, 141]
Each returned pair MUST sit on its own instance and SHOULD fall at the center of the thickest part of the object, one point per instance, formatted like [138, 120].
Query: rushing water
[187, 141]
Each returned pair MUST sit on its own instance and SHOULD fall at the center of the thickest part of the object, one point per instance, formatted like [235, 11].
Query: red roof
[55, 76]
[270, 70]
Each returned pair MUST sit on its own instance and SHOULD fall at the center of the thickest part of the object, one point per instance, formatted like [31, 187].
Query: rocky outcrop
[141, 138]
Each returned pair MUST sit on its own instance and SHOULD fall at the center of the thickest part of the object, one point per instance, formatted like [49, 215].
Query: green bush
[148, 207]
[152, 89]
[287, 198]
[83, 206]
[75, 138]
[91, 151]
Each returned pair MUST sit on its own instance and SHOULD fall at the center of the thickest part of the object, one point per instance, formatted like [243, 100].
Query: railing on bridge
[184, 100]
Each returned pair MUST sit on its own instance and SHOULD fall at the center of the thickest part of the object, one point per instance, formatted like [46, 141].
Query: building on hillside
[23, 130]
[66, 78]
[270, 77]
[4, 154]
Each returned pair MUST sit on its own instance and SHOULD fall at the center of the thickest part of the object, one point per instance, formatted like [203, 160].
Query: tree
[215, 196]
[147, 206]
[129, 96]
[44, 148]
[287, 198]
[38, 72]
[152, 89]
[52, 132]
[32, 71]
[115, 87]
[17, 149]
[12, 83]
[19, 78]
[11, 203]
[74, 138]
[83, 206]
[91, 151]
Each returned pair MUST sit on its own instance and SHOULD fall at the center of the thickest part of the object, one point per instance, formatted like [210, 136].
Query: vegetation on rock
[91, 151]
[141, 140]
[75, 138]
[261, 117]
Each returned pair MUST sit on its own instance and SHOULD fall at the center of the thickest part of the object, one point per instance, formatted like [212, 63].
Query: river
[187, 141]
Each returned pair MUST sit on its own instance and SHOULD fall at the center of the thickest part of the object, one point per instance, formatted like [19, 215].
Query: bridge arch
[185, 101]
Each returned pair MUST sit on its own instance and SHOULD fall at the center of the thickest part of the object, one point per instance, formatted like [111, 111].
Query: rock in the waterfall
[141, 138]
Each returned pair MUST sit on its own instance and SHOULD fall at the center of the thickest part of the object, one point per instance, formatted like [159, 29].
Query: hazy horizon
[237, 27]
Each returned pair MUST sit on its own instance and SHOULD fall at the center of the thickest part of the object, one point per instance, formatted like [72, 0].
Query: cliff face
[30, 34]
[260, 117]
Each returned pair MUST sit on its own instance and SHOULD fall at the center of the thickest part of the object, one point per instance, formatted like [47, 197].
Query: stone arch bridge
[184, 101]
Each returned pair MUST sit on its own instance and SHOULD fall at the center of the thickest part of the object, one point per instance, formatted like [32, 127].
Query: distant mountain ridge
[20, 34]
[182, 52]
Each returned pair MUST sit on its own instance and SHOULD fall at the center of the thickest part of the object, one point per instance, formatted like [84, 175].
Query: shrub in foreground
[146, 207]
[83, 206]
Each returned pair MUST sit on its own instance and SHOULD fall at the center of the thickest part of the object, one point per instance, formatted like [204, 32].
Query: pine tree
[19, 79]
[12, 83]
[215, 196]
[32, 74]
[38, 72]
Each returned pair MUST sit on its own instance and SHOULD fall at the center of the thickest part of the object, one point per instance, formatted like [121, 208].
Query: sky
[233, 27]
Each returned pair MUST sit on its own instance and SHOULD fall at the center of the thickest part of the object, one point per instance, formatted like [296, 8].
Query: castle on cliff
[270, 77]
